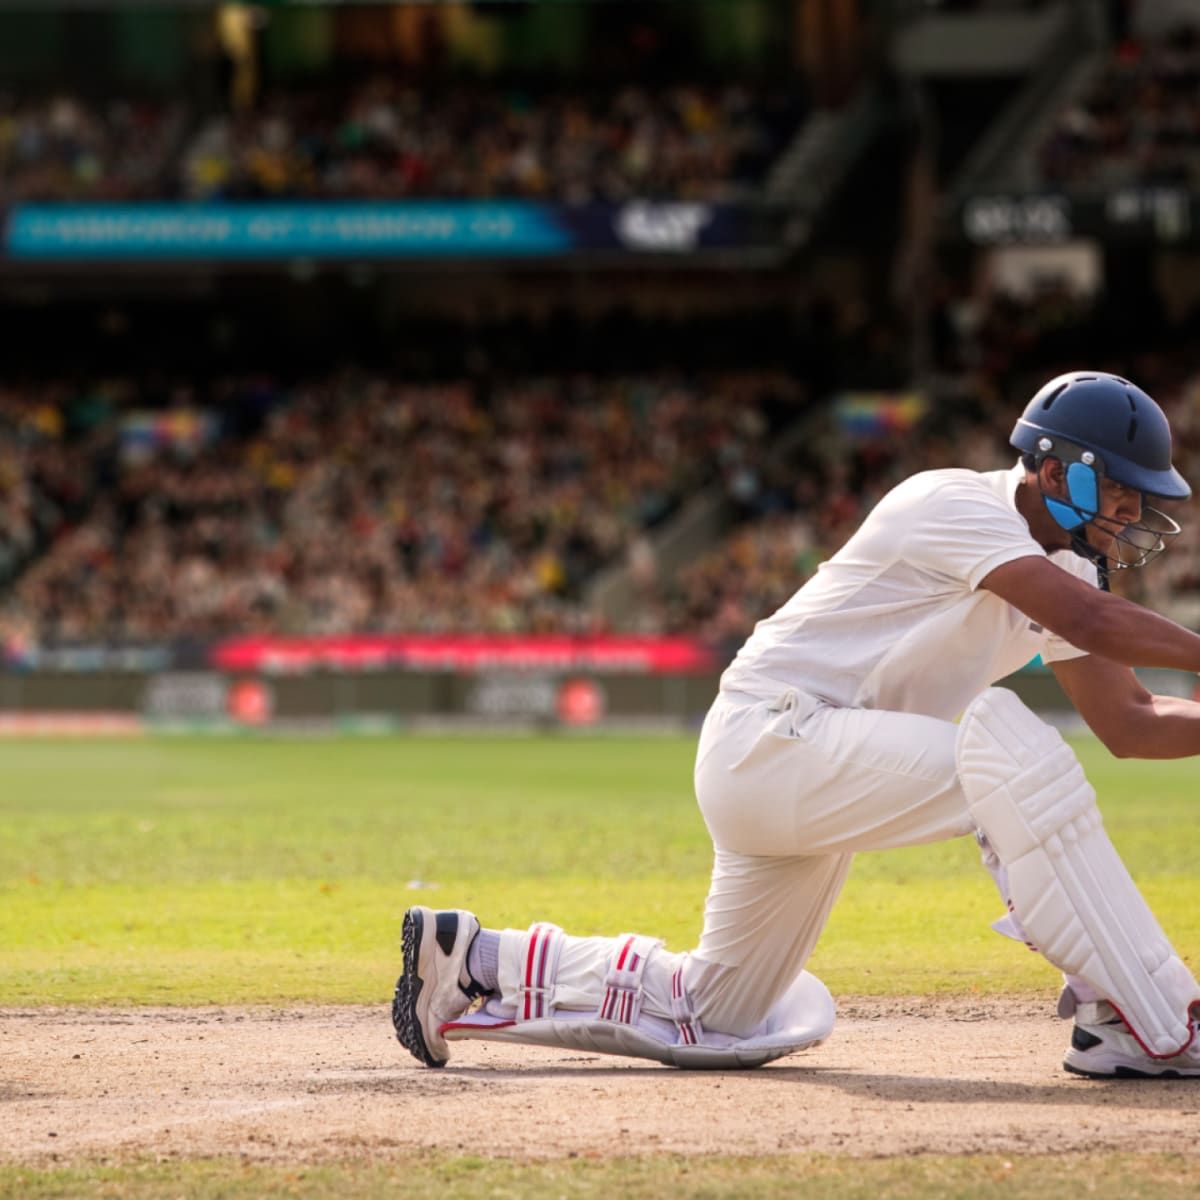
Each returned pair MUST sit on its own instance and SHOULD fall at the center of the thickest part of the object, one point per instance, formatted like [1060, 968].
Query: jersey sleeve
[964, 531]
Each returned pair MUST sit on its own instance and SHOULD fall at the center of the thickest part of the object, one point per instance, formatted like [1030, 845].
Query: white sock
[483, 959]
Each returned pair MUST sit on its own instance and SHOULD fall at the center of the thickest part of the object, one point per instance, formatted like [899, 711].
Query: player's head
[1105, 432]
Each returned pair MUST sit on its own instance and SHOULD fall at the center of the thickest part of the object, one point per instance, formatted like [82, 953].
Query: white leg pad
[802, 1018]
[1069, 889]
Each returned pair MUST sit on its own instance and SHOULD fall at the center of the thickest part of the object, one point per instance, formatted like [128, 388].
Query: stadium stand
[62, 147]
[362, 503]
[483, 471]
[383, 138]
[42, 485]
[1137, 123]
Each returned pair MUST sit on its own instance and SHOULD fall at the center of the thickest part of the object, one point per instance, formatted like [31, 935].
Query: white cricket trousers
[790, 789]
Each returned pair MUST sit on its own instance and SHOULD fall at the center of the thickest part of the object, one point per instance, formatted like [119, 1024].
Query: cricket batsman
[862, 716]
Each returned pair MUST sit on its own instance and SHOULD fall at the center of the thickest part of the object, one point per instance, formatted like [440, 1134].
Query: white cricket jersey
[896, 618]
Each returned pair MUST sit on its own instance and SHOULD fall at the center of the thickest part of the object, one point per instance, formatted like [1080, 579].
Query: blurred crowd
[367, 504]
[811, 499]
[359, 503]
[386, 139]
[41, 486]
[1138, 124]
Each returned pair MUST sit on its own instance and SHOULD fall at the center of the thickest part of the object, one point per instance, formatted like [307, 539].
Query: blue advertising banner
[263, 231]
[268, 230]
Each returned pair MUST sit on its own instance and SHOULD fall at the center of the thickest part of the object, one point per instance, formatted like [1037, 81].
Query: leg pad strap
[622, 1003]
[541, 970]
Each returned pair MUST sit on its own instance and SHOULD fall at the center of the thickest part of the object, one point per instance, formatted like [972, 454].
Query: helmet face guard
[1135, 543]
[1104, 427]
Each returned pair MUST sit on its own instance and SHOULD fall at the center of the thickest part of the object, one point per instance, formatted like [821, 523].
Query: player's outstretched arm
[1092, 620]
[1131, 721]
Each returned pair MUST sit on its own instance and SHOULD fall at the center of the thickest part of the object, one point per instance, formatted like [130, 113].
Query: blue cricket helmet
[1125, 431]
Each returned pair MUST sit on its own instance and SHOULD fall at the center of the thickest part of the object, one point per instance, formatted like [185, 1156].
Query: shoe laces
[472, 989]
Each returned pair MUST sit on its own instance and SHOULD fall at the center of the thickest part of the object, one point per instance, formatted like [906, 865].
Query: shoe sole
[406, 1019]
[1119, 1071]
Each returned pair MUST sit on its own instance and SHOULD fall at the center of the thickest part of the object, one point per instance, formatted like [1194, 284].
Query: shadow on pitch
[1056, 1088]
[1146, 1095]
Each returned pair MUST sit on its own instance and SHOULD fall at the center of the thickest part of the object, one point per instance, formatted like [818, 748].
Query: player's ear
[1053, 477]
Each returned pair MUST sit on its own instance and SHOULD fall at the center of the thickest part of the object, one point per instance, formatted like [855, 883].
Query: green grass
[205, 871]
[1101, 1177]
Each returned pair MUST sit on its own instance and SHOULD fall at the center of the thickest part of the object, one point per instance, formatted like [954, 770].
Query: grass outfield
[232, 871]
[815, 1177]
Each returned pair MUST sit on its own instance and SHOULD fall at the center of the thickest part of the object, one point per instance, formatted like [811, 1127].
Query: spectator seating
[384, 139]
[362, 503]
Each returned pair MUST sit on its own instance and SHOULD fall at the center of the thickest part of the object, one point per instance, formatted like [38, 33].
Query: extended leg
[627, 995]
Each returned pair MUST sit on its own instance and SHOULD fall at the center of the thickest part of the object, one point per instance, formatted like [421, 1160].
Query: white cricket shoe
[436, 986]
[1102, 1047]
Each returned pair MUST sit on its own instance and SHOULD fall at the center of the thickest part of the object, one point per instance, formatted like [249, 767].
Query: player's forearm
[1135, 636]
[1169, 729]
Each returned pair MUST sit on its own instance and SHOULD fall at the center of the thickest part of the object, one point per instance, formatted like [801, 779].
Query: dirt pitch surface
[306, 1084]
